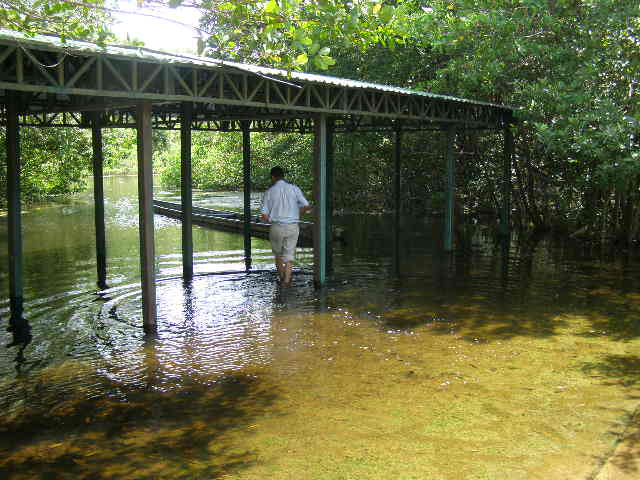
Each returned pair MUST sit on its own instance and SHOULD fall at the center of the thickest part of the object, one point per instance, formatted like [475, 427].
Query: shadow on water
[528, 287]
[621, 370]
[531, 288]
[111, 429]
[473, 320]
[618, 369]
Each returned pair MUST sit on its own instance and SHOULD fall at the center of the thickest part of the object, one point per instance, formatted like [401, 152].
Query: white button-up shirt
[282, 203]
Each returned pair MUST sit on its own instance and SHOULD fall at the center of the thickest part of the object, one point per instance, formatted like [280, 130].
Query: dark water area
[502, 361]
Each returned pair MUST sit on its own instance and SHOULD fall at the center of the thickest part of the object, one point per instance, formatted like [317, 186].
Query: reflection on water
[488, 364]
[21, 338]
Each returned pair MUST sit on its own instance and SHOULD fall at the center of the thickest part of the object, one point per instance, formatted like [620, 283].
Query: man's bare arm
[305, 209]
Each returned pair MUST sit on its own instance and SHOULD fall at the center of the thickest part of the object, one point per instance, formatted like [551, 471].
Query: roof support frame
[90, 74]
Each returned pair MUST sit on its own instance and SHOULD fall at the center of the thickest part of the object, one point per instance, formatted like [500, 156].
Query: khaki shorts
[284, 237]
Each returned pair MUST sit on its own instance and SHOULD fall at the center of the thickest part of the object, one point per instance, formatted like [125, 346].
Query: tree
[571, 65]
[217, 160]
[573, 68]
[54, 161]
[78, 20]
[293, 34]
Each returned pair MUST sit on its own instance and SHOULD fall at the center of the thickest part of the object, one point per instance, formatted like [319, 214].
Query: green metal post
[505, 220]
[14, 206]
[186, 190]
[145, 200]
[451, 186]
[98, 201]
[320, 200]
[246, 171]
[396, 198]
[330, 180]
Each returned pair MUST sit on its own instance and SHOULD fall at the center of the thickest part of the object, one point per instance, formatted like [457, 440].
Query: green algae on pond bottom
[133, 432]
[354, 402]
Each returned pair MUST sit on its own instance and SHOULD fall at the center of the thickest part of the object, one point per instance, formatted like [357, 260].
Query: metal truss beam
[63, 84]
[222, 122]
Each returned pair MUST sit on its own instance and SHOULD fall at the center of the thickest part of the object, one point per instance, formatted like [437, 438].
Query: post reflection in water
[21, 338]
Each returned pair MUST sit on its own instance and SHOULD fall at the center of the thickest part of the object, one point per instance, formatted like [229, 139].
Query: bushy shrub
[54, 161]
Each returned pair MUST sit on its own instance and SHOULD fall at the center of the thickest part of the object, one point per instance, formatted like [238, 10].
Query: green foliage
[297, 34]
[622, 174]
[217, 160]
[58, 161]
[361, 172]
[120, 149]
[54, 161]
[573, 68]
[78, 20]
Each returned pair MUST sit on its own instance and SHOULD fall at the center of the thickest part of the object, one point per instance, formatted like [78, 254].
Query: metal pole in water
[320, 200]
[330, 180]
[14, 206]
[98, 201]
[505, 219]
[396, 197]
[246, 170]
[186, 189]
[145, 199]
[451, 189]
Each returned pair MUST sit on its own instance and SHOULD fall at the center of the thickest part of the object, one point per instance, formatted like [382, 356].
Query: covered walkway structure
[45, 82]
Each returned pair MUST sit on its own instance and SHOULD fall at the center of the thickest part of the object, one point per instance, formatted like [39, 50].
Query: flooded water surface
[502, 362]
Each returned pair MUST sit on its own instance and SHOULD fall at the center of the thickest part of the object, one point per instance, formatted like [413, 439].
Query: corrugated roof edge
[147, 53]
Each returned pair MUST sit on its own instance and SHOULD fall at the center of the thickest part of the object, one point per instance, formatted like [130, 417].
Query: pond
[517, 361]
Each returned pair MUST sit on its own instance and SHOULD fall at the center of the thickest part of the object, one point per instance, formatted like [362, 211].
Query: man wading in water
[282, 206]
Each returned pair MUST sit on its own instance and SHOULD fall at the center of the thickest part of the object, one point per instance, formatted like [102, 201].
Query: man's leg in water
[288, 270]
[289, 252]
[280, 266]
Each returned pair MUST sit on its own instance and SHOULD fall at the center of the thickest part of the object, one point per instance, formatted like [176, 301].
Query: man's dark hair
[277, 172]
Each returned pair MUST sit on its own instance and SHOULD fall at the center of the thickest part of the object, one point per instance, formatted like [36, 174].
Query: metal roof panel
[79, 46]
